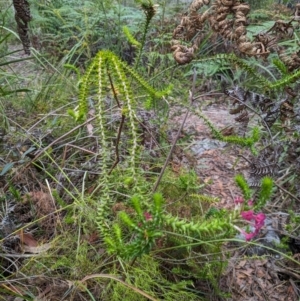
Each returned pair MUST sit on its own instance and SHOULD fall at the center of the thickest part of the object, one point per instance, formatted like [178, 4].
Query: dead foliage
[23, 17]
[228, 19]
[45, 208]
[257, 279]
[56, 289]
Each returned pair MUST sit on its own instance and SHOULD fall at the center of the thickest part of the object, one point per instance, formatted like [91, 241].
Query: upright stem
[191, 97]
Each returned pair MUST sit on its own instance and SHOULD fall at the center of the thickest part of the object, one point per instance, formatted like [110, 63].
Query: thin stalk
[191, 97]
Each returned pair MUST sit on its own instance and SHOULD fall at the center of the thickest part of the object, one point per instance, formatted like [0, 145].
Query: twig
[178, 133]
[82, 149]
[286, 191]
[256, 113]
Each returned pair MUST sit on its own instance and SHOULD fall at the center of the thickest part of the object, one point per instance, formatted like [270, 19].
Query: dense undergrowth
[92, 207]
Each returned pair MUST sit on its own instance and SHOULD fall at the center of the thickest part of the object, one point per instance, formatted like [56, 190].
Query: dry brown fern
[183, 54]
[292, 61]
[266, 164]
[282, 29]
[22, 17]
[297, 12]
[190, 26]
[227, 18]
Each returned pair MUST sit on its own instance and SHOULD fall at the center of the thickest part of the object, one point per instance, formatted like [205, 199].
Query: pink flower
[238, 200]
[148, 216]
[259, 220]
[250, 203]
[248, 215]
[249, 236]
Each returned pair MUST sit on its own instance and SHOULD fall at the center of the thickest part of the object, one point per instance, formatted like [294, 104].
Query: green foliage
[146, 274]
[281, 67]
[227, 61]
[106, 68]
[130, 37]
[101, 66]
[78, 30]
[294, 221]
[149, 9]
[215, 213]
[211, 66]
[246, 142]
[146, 226]
[156, 225]
[252, 77]
[243, 185]
[198, 229]
[205, 198]
[260, 4]
[265, 193]
[186, 183]
[285, 81]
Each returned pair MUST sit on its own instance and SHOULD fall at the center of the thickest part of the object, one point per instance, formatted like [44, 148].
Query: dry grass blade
[112, 277]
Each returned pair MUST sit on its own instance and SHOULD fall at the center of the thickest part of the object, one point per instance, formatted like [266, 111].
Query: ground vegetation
[149, 151]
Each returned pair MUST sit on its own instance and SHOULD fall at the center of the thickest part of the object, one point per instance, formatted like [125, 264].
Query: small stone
[229, 165]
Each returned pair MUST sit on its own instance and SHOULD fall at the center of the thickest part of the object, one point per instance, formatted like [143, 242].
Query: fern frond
[248, 142]
[285, 80]
[235, 61]
[281, 67]
[131, 38]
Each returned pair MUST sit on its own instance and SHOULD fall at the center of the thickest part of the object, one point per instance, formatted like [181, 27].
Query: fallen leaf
[27, 239]
[92, 238]
[241, 264]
